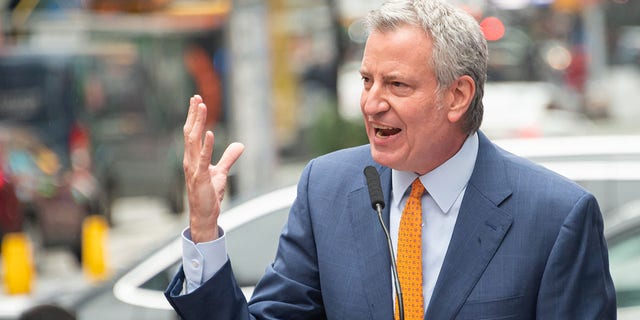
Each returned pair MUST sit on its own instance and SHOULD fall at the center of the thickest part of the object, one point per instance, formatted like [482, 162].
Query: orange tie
[410, 255]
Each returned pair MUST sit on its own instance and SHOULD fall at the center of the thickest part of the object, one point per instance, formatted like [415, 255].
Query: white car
[252, 229]
[623, 237]
[525, 109]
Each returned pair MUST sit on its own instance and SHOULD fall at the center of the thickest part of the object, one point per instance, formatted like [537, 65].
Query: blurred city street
[141, 224]
[93, 96]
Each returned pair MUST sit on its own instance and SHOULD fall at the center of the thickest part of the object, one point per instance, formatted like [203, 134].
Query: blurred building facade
[308, 85]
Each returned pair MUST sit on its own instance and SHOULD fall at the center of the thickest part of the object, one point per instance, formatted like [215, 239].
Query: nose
[373, 101]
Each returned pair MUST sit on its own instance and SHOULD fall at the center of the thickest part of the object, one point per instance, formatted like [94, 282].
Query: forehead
[405, 47]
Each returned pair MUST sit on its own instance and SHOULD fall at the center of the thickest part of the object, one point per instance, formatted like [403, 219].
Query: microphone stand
[377, 203]
[394, 267]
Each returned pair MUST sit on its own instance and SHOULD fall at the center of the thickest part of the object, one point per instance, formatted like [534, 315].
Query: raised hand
[205, 182]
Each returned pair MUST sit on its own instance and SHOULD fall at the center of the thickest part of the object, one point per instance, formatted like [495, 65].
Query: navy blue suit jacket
[528, 244]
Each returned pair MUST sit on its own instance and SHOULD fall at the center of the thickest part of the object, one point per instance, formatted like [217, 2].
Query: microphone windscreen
[375, 189]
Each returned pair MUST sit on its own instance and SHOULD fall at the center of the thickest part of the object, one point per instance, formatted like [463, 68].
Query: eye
[366, 81]
[400, 89]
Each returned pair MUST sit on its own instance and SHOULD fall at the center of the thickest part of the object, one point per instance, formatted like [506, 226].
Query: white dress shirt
[445, 187]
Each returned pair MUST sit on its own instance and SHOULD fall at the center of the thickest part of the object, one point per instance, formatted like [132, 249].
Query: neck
[447, 153]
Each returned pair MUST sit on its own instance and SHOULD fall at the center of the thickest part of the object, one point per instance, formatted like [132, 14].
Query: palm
[205, 182]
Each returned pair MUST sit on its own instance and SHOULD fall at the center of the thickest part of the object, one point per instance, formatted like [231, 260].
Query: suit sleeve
[576, 283]
[218, 298]
[288, 290]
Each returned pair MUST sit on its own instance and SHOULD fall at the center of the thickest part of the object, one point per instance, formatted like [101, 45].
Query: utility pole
[595, 45]
[250, 96]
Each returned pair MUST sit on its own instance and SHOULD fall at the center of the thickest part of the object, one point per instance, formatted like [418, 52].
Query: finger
[193, 143]
[201, 118]
[206, 152]
[230, 156]
[190, 116]
[187, 130]
[192, 113]
[194, 101]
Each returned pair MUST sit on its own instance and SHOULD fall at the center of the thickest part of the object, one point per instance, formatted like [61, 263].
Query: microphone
[375, 189]
[377, 203]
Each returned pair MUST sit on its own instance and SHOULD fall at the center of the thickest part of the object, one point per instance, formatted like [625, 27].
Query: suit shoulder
[339, 167]
[359, 156]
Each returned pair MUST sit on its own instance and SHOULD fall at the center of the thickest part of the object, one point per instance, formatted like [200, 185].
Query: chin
[387, 159]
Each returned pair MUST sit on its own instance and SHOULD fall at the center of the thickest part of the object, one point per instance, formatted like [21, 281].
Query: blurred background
[94, 93]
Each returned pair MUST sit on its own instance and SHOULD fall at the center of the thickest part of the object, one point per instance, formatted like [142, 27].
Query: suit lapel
[371, 252]
[479, 230]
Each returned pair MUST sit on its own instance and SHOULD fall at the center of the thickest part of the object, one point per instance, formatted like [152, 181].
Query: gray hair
[459, 46]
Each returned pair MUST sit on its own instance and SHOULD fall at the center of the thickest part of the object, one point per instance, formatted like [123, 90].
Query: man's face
[406, 121]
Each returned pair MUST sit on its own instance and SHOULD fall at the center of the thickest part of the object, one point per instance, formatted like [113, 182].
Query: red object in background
[576, 72]
[492, 28]
[79, 137]
[2, 178]
[208, 83]
[79, 147]
[11, 216]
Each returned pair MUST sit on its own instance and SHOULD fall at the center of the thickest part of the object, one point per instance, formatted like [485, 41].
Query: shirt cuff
[201, 261]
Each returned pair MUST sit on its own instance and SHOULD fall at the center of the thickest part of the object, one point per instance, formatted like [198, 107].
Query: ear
[461, 93]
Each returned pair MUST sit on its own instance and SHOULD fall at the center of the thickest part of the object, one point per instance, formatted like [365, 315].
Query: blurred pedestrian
[47, 312]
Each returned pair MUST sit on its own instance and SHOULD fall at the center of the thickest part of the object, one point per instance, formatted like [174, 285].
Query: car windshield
[624, 258]
[252, 246]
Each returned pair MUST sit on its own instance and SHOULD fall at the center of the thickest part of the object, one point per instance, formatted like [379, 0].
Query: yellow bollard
[17, 263]
[95, 230]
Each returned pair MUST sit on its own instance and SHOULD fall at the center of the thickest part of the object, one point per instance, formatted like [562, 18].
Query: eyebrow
[392, 77]
[386, 77]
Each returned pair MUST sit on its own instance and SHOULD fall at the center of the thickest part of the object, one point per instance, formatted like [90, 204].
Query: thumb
[230, 156]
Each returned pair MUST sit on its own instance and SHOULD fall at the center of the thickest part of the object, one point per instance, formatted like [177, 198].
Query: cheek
[421, 122]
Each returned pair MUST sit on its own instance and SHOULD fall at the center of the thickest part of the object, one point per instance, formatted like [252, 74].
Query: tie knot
[417, 189]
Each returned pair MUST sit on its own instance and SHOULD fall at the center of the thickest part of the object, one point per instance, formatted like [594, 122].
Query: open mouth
[386, 131]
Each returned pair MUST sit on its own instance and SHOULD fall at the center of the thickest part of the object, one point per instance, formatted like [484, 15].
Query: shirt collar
[444, 183]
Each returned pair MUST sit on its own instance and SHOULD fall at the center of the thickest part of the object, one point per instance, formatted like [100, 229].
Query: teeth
[382, 131]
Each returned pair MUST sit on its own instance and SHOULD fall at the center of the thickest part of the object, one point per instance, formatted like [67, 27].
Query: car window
[252, 246]
[145, 301]
[614, 183]
[612, 194]
[107, 307]
[161, 280]
[624, 260]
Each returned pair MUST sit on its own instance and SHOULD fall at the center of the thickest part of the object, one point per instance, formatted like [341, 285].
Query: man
[498, 237]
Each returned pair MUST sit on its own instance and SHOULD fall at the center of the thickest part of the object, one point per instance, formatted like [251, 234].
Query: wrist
[203, 232]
